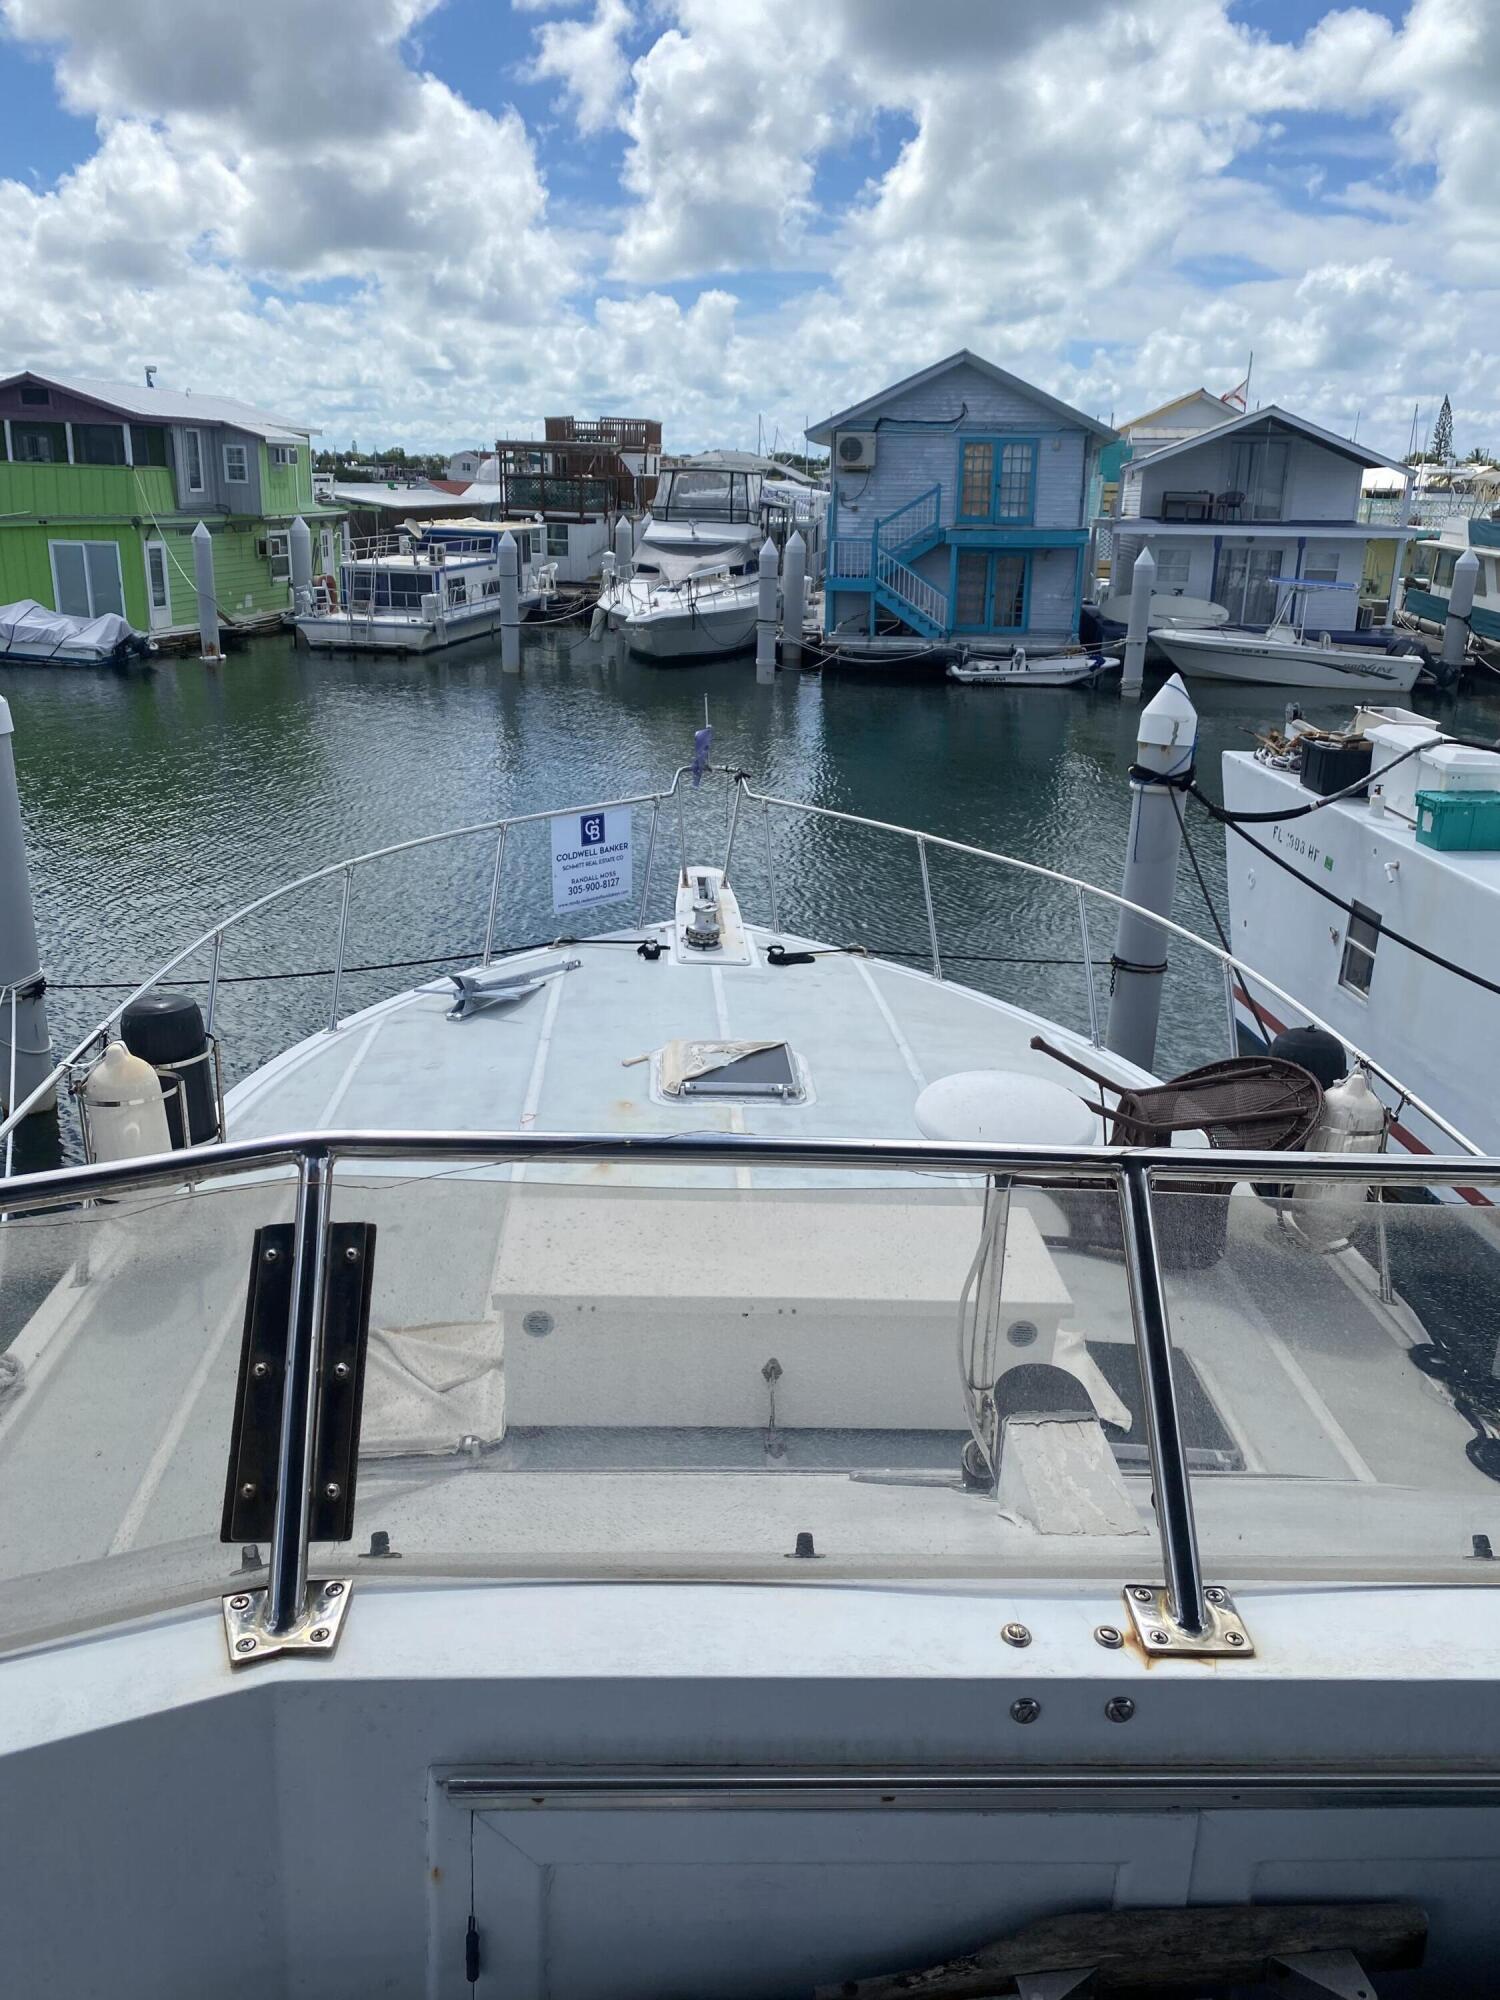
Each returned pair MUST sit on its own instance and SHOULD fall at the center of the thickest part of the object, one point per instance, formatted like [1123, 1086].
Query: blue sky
[445, 219]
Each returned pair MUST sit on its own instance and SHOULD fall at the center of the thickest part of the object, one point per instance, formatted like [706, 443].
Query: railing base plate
[1223, 1638]
[316, 1631]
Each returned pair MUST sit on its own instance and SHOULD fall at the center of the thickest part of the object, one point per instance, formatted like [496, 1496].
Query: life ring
[331, 586]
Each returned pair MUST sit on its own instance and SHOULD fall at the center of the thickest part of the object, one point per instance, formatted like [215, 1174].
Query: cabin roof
[822, 433]
[170, 406]
[1177, 403]
[1271, 418]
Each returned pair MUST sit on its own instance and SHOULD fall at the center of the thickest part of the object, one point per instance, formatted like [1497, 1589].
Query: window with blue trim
[997, 479]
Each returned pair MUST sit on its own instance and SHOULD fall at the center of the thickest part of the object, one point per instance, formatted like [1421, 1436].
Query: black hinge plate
[250, 1485]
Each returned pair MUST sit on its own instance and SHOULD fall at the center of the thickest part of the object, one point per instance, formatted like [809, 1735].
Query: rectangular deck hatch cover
[250, 1484]
[729, 1069]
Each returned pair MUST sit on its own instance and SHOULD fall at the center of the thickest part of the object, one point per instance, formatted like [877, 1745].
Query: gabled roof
[857, 412]
[169, 406]
[1271, 418]
[1177, 402]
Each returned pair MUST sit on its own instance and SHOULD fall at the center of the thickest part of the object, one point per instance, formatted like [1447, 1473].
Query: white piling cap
[769, 559]
[507, 550]
[794, 539]
[1168, 726]
[1145, 563]
[202, 531]
[7, 727]
[1468, 560]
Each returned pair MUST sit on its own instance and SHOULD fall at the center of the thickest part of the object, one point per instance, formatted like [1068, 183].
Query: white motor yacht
[1284, 656]
[692, 591]
[433, 584]
[693, 1459]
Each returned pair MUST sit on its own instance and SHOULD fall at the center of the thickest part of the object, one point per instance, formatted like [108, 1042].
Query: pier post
[300, 538]
[1168, 733]
[624, 544]
[1142, 585]
[766, 610]
[510, 605]
[793, 599]
[1460, 604]
[25, 1045]
[208, 599]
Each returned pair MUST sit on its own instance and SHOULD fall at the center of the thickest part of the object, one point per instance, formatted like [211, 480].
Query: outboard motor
[166, 1030]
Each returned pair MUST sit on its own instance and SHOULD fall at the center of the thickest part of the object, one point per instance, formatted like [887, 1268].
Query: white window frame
[1181, 557]
[77, 542]
[559, 529]
[283, 454]
[159, 616]
[192, 446]
[1357, 963]
[279, 554]
[242, 478]
[325, 550]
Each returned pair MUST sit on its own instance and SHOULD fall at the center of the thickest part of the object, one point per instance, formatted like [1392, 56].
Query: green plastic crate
[1459, 822]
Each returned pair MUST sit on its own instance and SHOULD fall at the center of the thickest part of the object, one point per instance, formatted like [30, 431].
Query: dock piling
[793, 599]
[1460, 604]
[25, 1045]
[624, 544]
[766, 611]
[208, 602]
[1167, 737]
[510, 605]
[300, 538]
[1142, 585]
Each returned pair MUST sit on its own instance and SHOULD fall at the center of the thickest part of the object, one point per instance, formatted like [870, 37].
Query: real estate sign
[590, 858]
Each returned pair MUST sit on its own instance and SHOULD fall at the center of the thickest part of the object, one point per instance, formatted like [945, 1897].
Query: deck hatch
[727, 1069]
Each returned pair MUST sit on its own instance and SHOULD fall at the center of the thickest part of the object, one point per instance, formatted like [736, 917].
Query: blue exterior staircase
[882, 564]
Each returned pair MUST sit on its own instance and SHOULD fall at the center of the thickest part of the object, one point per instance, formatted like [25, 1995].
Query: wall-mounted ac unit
[854, 451]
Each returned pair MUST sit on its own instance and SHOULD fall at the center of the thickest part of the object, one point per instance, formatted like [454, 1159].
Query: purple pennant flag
[703, 742]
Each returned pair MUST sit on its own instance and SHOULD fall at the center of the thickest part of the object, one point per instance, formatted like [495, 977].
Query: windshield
[730, 1369]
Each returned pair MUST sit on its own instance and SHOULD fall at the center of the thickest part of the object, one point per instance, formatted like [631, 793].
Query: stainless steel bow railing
[743, 794]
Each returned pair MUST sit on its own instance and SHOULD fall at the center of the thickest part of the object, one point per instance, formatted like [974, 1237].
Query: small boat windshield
[706, 493]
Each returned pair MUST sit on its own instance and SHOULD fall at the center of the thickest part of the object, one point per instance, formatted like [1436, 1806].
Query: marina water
[157, 803]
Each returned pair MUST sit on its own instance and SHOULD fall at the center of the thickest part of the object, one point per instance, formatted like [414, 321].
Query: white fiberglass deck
[567, 1058]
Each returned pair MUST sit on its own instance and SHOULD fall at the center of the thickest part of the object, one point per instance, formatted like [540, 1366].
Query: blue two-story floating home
[959, 508]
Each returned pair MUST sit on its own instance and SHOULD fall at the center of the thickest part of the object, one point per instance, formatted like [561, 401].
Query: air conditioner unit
[854, 451]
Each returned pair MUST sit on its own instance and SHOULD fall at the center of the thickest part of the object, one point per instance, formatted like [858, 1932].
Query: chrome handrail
[923, 841]
[1039, 869]
[1131, 1170]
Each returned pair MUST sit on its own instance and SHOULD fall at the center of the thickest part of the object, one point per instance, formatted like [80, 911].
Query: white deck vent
[855, 451]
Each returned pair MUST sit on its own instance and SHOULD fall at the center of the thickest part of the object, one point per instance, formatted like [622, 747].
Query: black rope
[1232, 821]
[1208, 904]
[326, 971]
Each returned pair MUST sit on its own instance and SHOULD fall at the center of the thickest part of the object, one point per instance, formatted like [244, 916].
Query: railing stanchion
[338, 963]
[10, 1095]
[640, 918]
[213, 982]
[1095, 1035]
[765, 814]
[286, 1593]
[1153, 1338]
[734, 821]
[489, 927]
[1234, 1026]
[937, 963]
[681, 837]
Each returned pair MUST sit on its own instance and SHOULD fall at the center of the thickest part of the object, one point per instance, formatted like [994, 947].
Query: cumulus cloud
[787, 207]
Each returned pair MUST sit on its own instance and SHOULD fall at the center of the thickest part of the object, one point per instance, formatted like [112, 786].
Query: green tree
[1442, 434]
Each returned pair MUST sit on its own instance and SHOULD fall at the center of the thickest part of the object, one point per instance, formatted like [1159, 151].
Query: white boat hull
[1066, 670]
[673, 632]
[353, 632]
[1273, 662]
